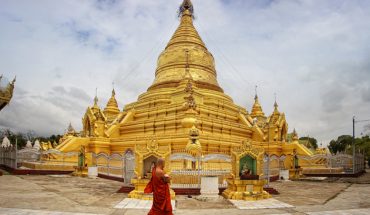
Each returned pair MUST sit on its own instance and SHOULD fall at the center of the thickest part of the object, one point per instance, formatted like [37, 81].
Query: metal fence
[8, 157]
[116, 165]
[11, 157]
[343, 162]
[123, 165]
[192, 178]
[273, 168]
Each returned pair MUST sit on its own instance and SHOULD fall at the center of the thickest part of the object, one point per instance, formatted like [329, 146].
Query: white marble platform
[16, 211]
[260, 204]
[364, 211]
[129, 203]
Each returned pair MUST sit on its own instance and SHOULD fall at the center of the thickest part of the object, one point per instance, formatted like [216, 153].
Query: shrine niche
[247, 164]
[247, 172]
[145, 156]
[247, 157]
[148, 165]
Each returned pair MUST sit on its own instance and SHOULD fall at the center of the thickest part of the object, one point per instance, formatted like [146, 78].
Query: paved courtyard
[73, 195]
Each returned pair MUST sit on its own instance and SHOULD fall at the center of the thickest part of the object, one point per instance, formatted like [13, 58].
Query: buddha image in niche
[245, 168]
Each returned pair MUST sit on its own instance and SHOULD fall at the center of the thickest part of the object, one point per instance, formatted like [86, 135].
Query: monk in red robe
[160, 188]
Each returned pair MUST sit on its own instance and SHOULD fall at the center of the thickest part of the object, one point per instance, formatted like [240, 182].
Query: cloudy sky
[314, 54]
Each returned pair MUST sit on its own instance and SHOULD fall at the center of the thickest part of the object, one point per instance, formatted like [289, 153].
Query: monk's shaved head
[160, 162]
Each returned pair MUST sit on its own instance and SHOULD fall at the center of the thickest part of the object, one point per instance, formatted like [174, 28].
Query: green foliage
[311, 140]
[53, 138]
[363, 145]
[13, 137]
[344, 144]
[341, 144]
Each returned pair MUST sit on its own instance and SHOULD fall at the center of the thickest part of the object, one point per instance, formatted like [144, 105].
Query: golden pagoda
[185, 112]
[6, 93]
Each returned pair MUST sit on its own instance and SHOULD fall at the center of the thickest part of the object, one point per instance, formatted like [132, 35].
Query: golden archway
[247, 149]
[151, 148]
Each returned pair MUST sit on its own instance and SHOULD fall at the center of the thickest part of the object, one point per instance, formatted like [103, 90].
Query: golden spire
[276, 111]
[96, 106]
[112, 110]
[257, 108]
[112, 103]
[196, 60]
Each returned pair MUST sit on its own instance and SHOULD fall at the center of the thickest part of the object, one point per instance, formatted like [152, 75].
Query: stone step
[271, 190]
[125, 189]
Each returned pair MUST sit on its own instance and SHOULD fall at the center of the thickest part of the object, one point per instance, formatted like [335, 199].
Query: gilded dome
[186, 51]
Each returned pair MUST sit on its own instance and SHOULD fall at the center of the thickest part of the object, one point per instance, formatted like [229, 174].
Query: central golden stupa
[185, 114]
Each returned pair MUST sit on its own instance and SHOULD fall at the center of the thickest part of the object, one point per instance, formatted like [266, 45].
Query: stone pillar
[209, 187]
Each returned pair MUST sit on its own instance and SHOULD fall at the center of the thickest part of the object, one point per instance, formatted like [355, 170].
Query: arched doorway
[148, 164]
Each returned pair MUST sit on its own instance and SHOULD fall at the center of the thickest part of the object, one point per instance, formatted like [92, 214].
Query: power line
[366, 120]
[147, 56]
[224, 56]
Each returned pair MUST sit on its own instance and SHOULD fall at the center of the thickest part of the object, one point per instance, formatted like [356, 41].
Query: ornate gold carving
[6, 93]
[152, 146]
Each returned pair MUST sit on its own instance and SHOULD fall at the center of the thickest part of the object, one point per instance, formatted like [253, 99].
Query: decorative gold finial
[96, 97]
[276, 105]
[255, 92]
[187, 60]
[187, 75]
[190, 101]
[194, 146]
[186, 6]
[113, 91]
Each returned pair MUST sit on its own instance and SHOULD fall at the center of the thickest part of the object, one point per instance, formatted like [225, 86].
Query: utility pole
[353, 145]
[268, 155]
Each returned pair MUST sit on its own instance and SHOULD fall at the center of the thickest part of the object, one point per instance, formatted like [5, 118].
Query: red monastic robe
[161, 195]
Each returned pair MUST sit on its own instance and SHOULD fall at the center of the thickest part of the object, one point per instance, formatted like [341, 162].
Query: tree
[22, 138]
[367, 129]
[312, 141]
[363, 145]
[341, 144]
[18, 138]
[30, 135]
